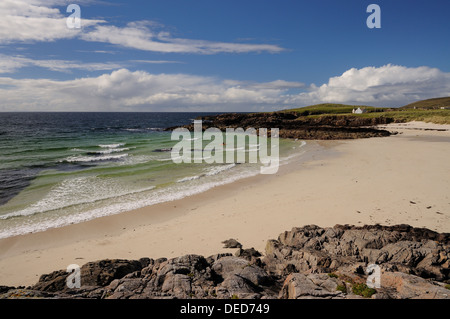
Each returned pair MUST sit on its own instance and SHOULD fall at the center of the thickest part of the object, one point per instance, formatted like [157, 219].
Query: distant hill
[332, 108]
[435, 103]
[426, 110]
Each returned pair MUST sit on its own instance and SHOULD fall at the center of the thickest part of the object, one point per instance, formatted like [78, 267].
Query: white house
[359, 111]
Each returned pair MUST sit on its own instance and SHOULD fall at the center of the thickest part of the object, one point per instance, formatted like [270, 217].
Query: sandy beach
[401, 179]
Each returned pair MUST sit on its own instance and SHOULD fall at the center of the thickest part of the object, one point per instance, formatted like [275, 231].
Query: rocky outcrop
[293, 125]
[99, 273]
[231, 243]
[305, 262]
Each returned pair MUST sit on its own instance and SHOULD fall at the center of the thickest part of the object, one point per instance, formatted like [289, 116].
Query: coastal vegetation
[436, 110]
[331, 121]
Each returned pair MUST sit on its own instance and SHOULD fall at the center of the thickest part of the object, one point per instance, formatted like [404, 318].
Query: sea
[58, 169]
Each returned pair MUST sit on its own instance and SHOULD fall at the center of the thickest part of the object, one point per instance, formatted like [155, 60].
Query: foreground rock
[306, 262]
[293, 125]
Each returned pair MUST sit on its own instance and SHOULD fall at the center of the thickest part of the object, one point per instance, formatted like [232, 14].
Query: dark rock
[213, 258]
[249, 253]
[101, 273]
[98, 273]
[294, 125]
[4, 289]
[55, 281]
[300, 286]
[231, 243]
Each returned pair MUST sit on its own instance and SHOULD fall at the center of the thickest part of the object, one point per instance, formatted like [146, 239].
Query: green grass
[429, 104]
[447, 286]
[399, 115]
[363, 290]
[431, 116]
[331, 108]
[342, 288]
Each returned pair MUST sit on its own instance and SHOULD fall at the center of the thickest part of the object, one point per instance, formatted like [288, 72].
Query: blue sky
[203, 55]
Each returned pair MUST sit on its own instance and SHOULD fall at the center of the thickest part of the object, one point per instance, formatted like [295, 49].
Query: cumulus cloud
[124, 90]
[388, 85]
[35, 20]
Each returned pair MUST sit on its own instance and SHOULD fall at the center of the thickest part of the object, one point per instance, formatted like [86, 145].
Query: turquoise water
[63, 168]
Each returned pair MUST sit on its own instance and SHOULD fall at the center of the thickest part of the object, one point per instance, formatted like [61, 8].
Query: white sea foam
[118, 199]
[189, 178]
[111, 145]
[75, 191]
[85, 159]
[219, 169]
[112, 150]
[210, 171]
[126, 203]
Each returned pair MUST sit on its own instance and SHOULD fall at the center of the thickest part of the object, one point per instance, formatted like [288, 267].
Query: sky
[224, 56]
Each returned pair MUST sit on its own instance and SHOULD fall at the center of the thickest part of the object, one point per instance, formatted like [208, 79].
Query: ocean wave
[109, 151]
[210, 171]
[219, 169]
[157, 129]
[76, 191]
[133, 129]
[83, 194]
[134, 201]
[86, 159]
[111, 145]
[189, 178]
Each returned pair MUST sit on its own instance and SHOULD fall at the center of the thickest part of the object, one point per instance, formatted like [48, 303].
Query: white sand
[399, 179]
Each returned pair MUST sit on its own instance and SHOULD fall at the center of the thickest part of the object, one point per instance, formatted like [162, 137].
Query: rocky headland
[293, 125]
[305, 262]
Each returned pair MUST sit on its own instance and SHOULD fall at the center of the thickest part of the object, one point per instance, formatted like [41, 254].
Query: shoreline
[347, 182]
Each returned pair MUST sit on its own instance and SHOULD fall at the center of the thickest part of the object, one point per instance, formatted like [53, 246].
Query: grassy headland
[330, 121]
[426, 111]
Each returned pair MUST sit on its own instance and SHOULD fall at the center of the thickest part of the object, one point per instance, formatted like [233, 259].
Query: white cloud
[35, 20]
[123, 90]
[143, 35]
[388, 85]
[10, 64]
